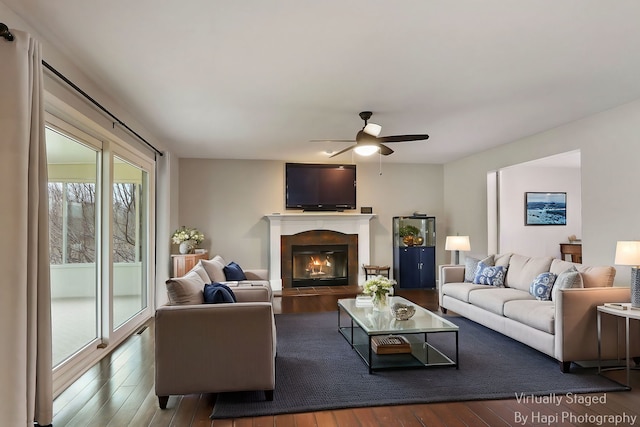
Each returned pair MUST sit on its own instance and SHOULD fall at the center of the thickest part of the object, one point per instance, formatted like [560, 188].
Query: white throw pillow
[214, 268]
[186, 290]
[471, 264]
[568, 279]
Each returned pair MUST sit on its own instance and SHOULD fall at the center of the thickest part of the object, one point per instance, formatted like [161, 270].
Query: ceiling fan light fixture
[373, 129]
[366, 150]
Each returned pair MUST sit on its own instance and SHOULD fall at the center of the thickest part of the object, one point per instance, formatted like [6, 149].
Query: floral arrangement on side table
[378, 287]
[187, 238]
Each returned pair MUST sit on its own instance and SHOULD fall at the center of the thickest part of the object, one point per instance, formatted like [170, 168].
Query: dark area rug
[316, 369]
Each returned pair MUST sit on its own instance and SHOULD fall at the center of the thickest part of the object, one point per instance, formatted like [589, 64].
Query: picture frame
[545, 208]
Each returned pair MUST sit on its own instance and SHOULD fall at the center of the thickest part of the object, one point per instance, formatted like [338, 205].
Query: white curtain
[25, 296]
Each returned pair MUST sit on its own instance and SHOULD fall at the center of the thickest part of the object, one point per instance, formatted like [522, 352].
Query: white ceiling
[258, 79]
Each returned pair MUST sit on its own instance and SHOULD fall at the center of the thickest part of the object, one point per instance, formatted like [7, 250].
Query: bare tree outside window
[81, 223]
[124, 222]
[72, 222]
[55, 223]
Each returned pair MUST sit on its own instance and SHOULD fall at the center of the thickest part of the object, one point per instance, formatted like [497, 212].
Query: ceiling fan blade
[402, 138]
[384, 150]
[363, 137]
[342, 151]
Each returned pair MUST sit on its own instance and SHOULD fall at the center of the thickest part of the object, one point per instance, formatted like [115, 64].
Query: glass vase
[380, 302]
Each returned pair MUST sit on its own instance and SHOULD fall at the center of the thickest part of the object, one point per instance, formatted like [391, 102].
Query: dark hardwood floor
[119, 391]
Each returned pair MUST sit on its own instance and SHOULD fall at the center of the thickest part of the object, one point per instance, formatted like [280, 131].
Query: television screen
[320, 186]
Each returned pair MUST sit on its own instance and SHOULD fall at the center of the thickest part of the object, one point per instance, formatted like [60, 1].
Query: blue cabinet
[414, 259]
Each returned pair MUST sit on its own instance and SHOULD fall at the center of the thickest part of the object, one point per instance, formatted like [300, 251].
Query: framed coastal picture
[545, 208]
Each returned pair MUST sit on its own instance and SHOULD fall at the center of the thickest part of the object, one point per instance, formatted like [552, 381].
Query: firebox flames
[315, 266]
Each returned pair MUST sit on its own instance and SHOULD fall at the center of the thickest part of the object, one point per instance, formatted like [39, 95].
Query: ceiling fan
[368, 142]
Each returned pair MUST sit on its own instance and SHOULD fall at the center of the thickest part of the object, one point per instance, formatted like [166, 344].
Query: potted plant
[187, 238]
[408, 233]
[378, 287]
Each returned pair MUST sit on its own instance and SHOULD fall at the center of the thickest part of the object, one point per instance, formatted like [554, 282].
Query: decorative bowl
[402, 311]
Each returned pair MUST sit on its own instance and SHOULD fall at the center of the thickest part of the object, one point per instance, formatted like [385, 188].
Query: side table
[624, 311]
[184, 263]
[376, 270]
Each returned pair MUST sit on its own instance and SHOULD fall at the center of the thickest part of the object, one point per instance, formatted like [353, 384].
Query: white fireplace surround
[294, 223]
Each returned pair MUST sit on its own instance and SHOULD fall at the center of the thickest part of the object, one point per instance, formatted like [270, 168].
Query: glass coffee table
[365, 324]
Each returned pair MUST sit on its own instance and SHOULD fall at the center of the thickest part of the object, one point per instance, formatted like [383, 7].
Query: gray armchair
[212, 348]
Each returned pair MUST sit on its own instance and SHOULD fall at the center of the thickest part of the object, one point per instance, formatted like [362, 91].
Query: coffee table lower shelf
[423, 354]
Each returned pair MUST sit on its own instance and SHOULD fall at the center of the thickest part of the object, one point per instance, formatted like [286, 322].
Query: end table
[623, 310]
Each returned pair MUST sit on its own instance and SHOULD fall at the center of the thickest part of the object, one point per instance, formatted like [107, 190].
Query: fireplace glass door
[320, 265]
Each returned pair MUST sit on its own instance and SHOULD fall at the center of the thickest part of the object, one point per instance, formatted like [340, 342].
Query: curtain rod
[4, 32]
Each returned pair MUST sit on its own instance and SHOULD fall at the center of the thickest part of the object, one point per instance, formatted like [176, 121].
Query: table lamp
[457, 244]
[628, 253]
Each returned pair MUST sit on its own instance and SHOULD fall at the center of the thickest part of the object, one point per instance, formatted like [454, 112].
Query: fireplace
[289, 224]
[319, 265]
[319, 258]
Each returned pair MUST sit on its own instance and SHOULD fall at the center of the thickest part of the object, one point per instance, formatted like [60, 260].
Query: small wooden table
[573, 249]
[184, 263]
[376, 270]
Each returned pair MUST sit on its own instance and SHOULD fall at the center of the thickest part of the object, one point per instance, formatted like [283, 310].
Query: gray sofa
[212, 348]
[563, 328]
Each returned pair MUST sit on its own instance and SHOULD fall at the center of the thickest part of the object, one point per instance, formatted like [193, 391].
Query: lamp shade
[627, 253]
[373, 129]
[457, 243]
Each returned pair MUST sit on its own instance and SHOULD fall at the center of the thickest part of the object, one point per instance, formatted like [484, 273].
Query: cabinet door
[417, 267]
[409, 260]
[427, 267]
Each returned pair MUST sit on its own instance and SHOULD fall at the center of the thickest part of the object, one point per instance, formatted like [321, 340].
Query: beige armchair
[212, 348]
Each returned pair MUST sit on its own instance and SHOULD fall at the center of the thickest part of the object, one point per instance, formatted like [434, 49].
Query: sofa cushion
[199, 268]
[597, 276]
[523, 269]
[541, 286]
[567, 280]
[493, 299]
[214, 268]
[592, 277]
[470, 265]
[537, 314]
[460, 291]
[186, 289]
[502, 260]
[215, 293]
[488, 275]
[233, 271]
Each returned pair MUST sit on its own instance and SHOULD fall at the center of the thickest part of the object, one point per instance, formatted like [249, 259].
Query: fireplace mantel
[293, 223]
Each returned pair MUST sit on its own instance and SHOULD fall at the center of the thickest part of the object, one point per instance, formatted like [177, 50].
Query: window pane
[72, 234]
[129, 248]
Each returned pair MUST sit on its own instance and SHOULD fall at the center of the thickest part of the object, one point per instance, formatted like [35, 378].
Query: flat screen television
[320, 187]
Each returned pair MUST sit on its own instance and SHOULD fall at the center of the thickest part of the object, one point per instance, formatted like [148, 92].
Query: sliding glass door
[130, 225]
[101, 244]
[73, 230]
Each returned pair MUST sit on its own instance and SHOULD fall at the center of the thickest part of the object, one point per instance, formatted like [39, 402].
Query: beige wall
[515, 236]
[227, 200]
[610, 151]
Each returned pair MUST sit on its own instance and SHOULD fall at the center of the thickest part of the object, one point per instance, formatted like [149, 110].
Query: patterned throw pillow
[471, 264]
[489, 275]
[568, 279]
[541, 286]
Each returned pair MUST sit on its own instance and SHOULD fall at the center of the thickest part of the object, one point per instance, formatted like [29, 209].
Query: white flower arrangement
[378, 286]
[183, 234]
